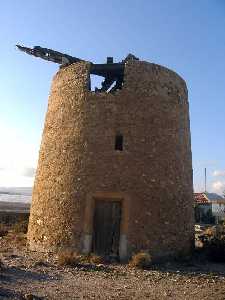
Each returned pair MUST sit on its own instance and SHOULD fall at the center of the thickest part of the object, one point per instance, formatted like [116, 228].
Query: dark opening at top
[119, 142]
[112, 73]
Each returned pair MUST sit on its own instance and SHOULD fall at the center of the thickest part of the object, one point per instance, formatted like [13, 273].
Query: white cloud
[11, 178]
[218, 186]
[29, 172]
[219, 173]
[18, 157]
[198, 187]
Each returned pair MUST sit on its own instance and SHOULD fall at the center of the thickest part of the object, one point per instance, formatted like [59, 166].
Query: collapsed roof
[112, 72]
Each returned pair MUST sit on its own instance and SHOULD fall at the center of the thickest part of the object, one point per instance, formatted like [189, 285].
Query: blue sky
[186, 36]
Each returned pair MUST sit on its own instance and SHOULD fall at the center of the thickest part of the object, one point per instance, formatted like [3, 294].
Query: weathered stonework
[152, 176]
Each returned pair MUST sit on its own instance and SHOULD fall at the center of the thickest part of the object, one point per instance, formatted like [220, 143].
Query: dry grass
[68, 257]
[95, 259]
[141, 260]
[3, 230]
[210, 231]
[15, 238]
[20, 226]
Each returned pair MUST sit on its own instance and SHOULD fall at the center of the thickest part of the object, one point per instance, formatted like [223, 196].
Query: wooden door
[106, 229]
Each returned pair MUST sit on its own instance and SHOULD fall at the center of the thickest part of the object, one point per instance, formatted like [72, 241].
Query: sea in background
[15, 194]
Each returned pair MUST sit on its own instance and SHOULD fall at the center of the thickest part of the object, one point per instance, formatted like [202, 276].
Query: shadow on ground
[13, 274]
[8, 294]
[12, 294]
[191, 268]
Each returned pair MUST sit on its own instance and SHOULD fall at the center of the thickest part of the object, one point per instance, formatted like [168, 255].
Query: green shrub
[215, 248]
[213, 243]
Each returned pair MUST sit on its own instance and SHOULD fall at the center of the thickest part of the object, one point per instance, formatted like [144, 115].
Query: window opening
[107, 77]
[96, 82]
[119, 142]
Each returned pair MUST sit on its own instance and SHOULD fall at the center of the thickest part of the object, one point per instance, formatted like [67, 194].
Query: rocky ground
[29, 275]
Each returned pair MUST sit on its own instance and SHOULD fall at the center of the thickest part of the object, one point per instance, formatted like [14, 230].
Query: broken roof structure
[112, 72]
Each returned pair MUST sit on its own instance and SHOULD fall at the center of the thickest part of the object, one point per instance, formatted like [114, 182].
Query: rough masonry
[78, 163]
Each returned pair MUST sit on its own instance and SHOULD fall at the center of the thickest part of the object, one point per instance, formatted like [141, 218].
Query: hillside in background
[16, 194]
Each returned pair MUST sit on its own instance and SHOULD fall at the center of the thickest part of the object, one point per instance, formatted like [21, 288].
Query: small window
[119, 142]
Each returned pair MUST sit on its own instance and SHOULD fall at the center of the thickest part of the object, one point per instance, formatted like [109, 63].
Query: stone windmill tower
[115, 173]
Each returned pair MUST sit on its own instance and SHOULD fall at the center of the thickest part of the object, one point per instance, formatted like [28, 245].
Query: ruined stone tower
[115, 173]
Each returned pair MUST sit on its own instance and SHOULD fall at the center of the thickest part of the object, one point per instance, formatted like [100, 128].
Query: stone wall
[78, 159]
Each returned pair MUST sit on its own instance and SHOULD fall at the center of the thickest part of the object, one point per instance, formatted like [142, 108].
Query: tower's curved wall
[78, 162]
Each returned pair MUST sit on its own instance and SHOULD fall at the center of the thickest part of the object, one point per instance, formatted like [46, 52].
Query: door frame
[89, 220]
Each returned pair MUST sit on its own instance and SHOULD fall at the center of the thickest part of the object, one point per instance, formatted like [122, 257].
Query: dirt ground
[30, 275]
